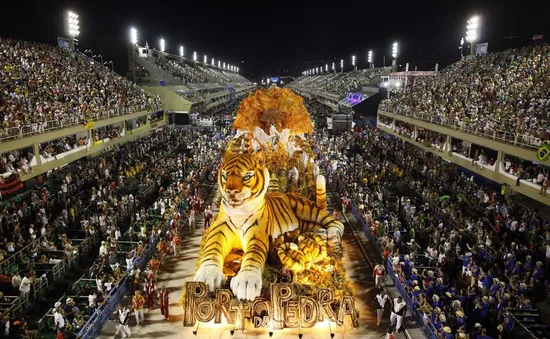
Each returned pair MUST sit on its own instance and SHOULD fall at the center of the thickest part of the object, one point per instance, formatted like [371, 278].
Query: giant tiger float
[271, 257]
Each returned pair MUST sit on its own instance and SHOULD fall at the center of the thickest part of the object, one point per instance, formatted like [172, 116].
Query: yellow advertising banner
[89, 124]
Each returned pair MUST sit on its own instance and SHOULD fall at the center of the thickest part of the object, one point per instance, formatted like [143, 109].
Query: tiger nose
[231, 191]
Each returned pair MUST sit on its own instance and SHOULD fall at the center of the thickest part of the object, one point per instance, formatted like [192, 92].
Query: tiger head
[243, 180]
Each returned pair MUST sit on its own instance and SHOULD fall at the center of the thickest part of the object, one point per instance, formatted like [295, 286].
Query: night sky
[266, 38]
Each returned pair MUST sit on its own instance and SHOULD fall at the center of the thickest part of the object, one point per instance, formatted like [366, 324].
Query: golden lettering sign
[286, 309]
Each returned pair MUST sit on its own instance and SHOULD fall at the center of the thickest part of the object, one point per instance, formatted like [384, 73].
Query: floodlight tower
[72, 27]
[472, 33]
[370, 59]
[333, 67]
[205, 60]
[394, 50]
[353, 62]
[342, 65]
[133, 43]
[195, 56]
[213, 62]
[181, 53]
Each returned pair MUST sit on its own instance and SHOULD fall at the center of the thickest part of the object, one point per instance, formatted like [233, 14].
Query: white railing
[495, 134]
[71, 121]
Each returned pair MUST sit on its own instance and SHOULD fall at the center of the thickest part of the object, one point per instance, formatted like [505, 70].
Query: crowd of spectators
[16, 160]
[39, 221]
[339, 83]
[467, 255]
[46, 87]
[224, 76]
[107, 132]
[181, 71]
[54, 147]
[317, 109]
[502, 92]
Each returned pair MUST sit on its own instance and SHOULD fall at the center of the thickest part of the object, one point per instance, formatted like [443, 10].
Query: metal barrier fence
[504, 136]
[46, 126]
[101, 316]
[428, 330]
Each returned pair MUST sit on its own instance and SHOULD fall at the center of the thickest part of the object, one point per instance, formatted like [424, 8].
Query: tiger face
[242, 179]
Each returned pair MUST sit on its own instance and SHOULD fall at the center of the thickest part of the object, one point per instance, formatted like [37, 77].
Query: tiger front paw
[334, 237]
[247, 285]
[212, 275]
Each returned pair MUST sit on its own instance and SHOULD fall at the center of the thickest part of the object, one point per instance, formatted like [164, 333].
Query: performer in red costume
[164, 303]
[150, 288]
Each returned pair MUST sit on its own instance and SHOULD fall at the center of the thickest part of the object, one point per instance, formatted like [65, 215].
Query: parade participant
[192, 219]
[388, 334]
[161, 247]
[286, 276]
[138, 301]
[155, 264]
[148, 273]
[176, 242]
[123, 316]
[398, 312]
[150, 288]
[135, 281]
[379, 273]
[380, 303]
[207, 216]
[164, 295]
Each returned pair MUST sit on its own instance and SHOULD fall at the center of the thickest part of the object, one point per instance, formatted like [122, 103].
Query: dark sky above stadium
[282, 37]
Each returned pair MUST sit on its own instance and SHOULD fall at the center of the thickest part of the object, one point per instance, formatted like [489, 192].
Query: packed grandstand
[80, 237]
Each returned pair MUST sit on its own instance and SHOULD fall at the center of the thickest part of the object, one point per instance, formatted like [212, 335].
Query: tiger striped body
[310, 249]
[250, 219]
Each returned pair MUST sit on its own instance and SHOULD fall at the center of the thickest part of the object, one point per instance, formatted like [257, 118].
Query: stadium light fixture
[133, 36]
[369, 57]
[326, 68]
[194, 56]
[162, 45]
[219, 63]
[237, 69]
[73, 28]
[342, 65]
[205, 60]
[333, 66]
[472, 32]
[213, 62]
[353, 60]
[394, 50]
[224, 65]
[181, 51]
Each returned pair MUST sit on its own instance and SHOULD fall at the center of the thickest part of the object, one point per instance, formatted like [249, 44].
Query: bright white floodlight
[194, 56]
[353, 60]
[133, 36]
[394, 50]
[219, 63]
[181, 51]
[369, 57]
[472, 29]
[333, 66]
[342, 64]
[205, 59]
[162, 45]
[73, 28]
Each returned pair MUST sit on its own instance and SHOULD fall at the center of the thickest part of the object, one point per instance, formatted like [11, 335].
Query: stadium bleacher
[506, 93]
[43, 88]
[339, 83]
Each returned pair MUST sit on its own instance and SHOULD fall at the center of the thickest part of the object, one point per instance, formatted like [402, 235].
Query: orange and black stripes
[279, 214]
